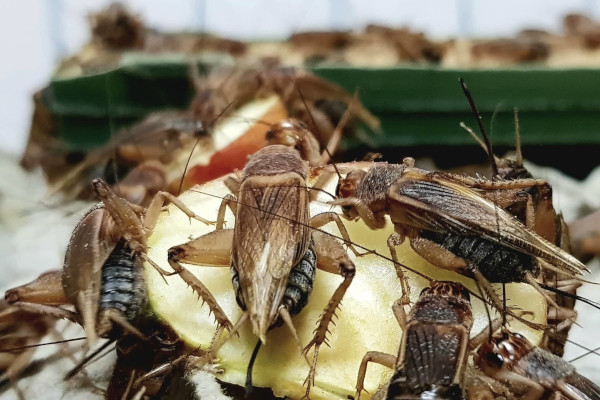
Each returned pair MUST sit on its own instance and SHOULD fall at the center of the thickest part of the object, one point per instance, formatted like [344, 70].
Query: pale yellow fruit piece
[365, 322]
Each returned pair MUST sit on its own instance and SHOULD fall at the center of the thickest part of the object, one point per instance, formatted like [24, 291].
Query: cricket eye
[494, 359]
[467, 294]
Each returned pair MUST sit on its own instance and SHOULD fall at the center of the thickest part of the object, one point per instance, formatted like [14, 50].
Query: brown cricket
[533, 207]
[102, 274]
[432, 361]
[460, 223]
[532, 372]
[451, 225]
[273, 250]
[433, 353]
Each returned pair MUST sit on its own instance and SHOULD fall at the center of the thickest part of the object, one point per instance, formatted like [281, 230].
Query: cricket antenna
[316, 128]
[210, 125]
[10, 349]
[487, 311]
[519, 160]
[87, 360]
[486, 139]
[249, 386]
[570, 295]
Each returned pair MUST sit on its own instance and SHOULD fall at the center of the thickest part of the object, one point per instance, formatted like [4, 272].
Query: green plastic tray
[417, 105]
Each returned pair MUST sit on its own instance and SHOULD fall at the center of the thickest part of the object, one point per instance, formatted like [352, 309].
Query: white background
[34, 34]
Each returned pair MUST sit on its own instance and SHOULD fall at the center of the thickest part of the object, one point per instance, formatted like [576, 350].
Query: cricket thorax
[275, 160]
[542, 366]
[375, 186]
[442, 310]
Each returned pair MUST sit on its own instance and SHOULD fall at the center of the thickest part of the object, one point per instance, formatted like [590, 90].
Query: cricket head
[294, 134]
[346, 189]
[101, 188]
[503, 351]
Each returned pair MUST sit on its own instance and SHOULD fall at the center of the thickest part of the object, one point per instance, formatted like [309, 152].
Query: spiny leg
[331, 258]
[387, 360]
[53, 311]
[213, 249]
[175, 257]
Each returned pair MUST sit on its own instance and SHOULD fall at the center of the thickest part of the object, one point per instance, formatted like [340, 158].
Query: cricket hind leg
[43, 295]
[213, 249]
[332, 258]
[441, 257]
[387, 360]
[497, 303]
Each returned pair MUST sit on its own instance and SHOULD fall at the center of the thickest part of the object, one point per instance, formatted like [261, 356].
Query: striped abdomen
[496, 262]
[123, 286]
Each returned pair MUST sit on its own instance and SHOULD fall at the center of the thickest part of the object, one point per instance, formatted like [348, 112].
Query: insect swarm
[367, 303]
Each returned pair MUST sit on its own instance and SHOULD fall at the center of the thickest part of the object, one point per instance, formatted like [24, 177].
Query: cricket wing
[442, 206]
[90, 245]
[271, 236]
[434, 355]
[578, 387]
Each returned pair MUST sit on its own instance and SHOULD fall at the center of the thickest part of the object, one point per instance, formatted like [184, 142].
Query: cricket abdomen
[299, 286]
[497, 263]
[300, 282]
[123, 287]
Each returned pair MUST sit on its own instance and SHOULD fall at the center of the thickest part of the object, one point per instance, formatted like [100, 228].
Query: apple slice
[233, 139]
[365, 322]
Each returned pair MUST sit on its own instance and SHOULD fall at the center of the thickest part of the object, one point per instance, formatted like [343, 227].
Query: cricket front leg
[213, 249]
[331, 257]
[156, 205]
[322, 219]
[393, 241]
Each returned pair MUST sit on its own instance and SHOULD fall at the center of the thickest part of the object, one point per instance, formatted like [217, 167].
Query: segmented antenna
[519, 158]
[570, 295]
[490, 152]
[487, 311]
[249, 386]
[316, 128]
[8, 350]
[584, 354]
[210, 125]
[87, 360]
[475, 111]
